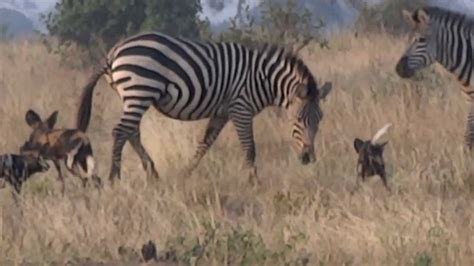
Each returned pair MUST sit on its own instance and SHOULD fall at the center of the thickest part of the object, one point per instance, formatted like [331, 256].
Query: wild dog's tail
[80, 160]
[85, 107]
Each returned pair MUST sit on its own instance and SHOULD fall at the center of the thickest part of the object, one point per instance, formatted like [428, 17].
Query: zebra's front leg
[213, 129]
[242, 119]
[469, 135]
[147, 162]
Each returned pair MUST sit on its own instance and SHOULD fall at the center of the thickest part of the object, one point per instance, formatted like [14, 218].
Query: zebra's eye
[422, 39]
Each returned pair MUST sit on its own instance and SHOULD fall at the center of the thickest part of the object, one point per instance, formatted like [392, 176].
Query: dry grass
[301, 213]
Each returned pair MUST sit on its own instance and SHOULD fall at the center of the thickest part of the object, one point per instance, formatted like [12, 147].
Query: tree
[384, 16]
[96, 25]
[279, 22]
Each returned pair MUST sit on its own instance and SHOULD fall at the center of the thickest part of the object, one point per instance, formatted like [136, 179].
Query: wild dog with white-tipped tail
[70, 145]
[371, 161]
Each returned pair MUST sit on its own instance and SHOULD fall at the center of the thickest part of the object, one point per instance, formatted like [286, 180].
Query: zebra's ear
[422, 17]
[408, 18]
[32, 118]
[324, 90]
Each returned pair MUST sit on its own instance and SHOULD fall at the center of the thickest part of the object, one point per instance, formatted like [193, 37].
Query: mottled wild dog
[371, 161]
[16, 169]
[70, 145]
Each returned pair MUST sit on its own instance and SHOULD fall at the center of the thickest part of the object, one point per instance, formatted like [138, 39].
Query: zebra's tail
[85, 107]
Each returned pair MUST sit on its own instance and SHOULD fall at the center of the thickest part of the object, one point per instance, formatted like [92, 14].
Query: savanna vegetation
[301, 215]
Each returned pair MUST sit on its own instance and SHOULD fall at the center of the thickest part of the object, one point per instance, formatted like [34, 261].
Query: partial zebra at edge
[445, 37]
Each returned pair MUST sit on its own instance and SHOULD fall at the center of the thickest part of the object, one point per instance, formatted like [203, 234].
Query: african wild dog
[371, 161]
[70, 145]
[16, 169]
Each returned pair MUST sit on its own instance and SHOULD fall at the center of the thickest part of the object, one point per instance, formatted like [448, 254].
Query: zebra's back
[184, 79]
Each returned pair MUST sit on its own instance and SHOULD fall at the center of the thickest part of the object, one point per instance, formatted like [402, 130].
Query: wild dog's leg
[97, 182]
[385, 183]
[213, 129]
[74, 165]
[60, 175]
[242, 116]
[469, 135]
[127, 128]
[147, 162]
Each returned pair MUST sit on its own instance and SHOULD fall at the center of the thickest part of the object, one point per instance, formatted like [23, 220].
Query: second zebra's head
[306, 114]
[422, 50]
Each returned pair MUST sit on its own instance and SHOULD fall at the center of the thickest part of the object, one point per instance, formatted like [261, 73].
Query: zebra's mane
[294, 60]
[440, 14]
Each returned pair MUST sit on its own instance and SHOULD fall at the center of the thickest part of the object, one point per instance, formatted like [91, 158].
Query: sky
[228, 11]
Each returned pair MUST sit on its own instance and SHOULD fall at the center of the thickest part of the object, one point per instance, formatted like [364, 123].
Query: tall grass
[301, 215]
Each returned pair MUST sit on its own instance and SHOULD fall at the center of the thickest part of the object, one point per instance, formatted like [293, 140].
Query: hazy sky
[230, 9]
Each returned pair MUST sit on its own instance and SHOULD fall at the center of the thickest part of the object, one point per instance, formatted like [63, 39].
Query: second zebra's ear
[408, 17]
[422, 17]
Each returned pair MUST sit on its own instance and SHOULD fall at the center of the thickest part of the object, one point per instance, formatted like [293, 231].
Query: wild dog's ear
[358, 143]
[32, 118]
[324, 90]
[51, 121]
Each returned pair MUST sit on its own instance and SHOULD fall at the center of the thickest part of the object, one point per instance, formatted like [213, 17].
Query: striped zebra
[445, 37]
[190, 80]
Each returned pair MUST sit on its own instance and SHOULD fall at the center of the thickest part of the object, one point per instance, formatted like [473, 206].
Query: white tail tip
[380, 133]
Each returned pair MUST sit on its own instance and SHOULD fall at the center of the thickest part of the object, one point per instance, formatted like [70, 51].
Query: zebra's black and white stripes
[191, 80]
[445, 37]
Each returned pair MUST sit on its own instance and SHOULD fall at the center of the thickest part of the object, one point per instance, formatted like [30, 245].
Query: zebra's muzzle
[307, 156]
[402, 68]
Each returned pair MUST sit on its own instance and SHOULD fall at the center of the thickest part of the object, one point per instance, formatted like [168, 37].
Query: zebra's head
[306, 114]
[37, 138]
[422, 50]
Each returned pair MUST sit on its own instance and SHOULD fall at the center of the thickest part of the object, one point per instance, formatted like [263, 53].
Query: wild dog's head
[39, 136]
[371, 160]
[16, 169]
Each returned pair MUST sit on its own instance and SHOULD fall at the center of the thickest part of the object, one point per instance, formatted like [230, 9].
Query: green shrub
[96, 25]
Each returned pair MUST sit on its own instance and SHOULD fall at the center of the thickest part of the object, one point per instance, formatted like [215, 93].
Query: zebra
[445, 37]
[191, 80]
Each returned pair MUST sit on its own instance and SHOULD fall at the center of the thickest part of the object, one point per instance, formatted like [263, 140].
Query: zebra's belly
[174, 114]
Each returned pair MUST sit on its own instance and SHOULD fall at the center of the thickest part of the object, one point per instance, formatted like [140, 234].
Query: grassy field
[302, 215]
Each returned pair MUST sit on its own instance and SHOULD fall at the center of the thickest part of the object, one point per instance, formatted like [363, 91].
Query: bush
[96, 25]
[385, 16]
[280, 22]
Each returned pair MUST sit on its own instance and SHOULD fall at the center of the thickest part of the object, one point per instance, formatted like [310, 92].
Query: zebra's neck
[455, 52]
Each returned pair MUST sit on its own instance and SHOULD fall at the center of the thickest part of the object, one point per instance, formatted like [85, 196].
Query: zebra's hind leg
[128, 128]
[147, 162]
[469, 135]
[213, 129]
[120, 138]
[242, 118]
